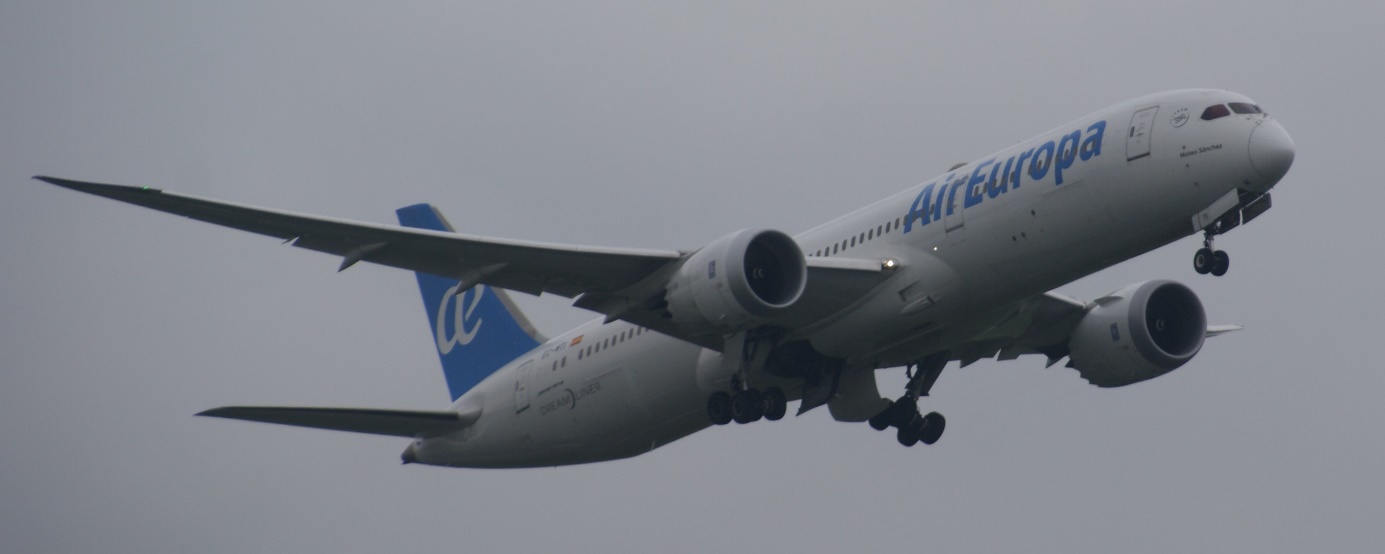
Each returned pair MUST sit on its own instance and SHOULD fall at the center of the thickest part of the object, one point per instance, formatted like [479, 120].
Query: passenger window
[1214, 112]
[853, 241]
[879, 229]
[1244, 108]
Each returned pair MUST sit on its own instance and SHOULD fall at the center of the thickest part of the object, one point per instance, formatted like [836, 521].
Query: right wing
[1039, 325]
[398, 423]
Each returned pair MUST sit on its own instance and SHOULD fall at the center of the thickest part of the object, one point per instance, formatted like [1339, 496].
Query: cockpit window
[1214, 112]
[1244, 108]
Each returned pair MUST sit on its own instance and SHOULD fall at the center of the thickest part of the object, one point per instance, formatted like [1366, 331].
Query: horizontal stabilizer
[399, 423]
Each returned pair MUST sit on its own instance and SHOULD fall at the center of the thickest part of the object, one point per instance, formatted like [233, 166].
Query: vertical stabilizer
[476, 331]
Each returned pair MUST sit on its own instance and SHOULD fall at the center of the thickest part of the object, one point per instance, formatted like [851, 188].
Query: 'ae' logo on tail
[464, 325]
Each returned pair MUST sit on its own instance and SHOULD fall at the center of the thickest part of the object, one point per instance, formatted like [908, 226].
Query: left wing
[525, 266]
[623, 283]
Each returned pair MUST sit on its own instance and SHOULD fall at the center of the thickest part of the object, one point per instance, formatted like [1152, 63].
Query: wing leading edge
[397, 423]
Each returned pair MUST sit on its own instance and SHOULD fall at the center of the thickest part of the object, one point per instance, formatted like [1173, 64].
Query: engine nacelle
[1137, 333]
[737, 281]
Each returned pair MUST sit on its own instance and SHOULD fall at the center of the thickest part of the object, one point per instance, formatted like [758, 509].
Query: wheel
[740, 408]
[1203, 260]
[902, 411]
[719, 408]
[1221, 262]
[757, 404]
[881, 421]
[775, 404]
[746, 406]
[933, 425]
[907, 436]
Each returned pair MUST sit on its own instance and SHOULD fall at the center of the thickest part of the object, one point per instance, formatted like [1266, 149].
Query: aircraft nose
[1271, 150]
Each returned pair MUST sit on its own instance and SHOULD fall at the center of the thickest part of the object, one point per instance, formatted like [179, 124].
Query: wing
[398, 423]
[1039, 325]
[531, 267]
[623, 283]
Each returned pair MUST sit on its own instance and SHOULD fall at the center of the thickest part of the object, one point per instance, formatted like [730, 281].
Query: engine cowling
[738, 281]
[1137, 333]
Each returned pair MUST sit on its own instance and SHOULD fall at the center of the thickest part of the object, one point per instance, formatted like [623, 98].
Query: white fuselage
[970, 243]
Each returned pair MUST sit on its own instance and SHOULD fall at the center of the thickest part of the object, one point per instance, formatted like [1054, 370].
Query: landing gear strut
[903, 414]
[1210, 260]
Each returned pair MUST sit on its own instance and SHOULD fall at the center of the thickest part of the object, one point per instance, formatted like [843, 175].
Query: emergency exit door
[522, 386]
[1137, 141]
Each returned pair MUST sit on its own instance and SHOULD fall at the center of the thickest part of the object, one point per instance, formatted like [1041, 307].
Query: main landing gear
[746, 406]
[903, 414]
[1210, 260]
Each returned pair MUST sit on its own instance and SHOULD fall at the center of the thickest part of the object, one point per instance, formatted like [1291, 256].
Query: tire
[746, 406]
[757, 404]
[903, 411]
[776, 405]
[1221, 262]
[933, 425]
[719, 408]
[907, 436]
[881, 421]
[1203, 261]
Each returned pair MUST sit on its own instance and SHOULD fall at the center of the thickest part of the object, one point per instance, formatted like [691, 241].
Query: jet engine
[1137, 333]
[738, 281]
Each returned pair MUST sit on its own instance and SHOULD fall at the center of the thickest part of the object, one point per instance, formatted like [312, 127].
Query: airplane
[958, 268]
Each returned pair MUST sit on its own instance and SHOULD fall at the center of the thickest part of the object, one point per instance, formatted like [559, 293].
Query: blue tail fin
[477, 331]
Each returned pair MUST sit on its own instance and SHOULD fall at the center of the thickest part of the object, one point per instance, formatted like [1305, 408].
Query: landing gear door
[1137, 141]
[522, 386]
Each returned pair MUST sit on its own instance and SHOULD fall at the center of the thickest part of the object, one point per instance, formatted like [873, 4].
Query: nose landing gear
[1210, 260]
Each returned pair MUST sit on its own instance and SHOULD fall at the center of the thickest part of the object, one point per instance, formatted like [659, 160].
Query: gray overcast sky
[649, 125]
